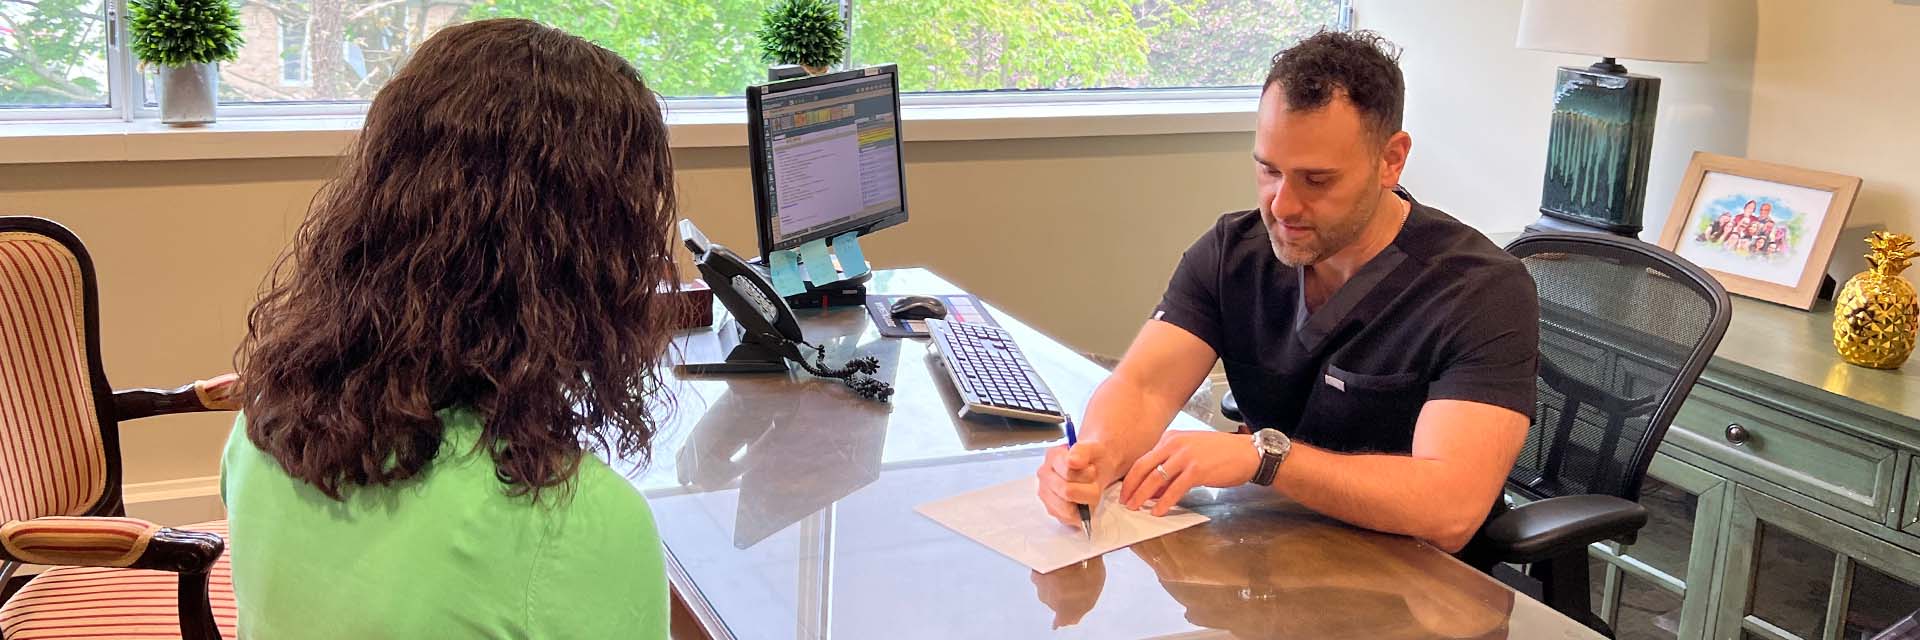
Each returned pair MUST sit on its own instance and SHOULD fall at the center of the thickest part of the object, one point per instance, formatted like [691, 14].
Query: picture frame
[1764, 230]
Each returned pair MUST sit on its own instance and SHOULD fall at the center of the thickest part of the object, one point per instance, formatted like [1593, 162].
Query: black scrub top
[1441, 314]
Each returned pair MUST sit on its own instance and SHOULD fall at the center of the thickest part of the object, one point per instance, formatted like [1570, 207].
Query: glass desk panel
[786, 506]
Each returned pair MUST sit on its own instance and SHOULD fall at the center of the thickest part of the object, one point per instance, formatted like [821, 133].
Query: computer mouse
[918, 308]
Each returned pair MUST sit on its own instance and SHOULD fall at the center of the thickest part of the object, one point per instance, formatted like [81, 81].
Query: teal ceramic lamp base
[1548, 223]
[1598, 149]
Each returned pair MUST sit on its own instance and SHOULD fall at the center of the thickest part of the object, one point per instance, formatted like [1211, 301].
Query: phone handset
[769, 334]
[772, 308]
[761, 312]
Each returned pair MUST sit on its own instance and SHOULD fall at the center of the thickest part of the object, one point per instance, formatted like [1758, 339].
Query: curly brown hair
[498, 239]
[1362, 65]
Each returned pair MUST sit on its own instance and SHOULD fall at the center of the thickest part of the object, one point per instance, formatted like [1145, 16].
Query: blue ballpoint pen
[1086, 514]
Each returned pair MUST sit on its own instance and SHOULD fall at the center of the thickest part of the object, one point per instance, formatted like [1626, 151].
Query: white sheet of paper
[1009, 518]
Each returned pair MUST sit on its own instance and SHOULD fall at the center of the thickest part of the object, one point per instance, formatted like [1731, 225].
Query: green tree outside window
[53, 51]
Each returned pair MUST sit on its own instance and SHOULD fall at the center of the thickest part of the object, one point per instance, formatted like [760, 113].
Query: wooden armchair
[60, 494]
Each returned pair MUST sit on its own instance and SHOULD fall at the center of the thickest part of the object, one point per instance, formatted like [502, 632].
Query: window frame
[127, 89]
[119, 68]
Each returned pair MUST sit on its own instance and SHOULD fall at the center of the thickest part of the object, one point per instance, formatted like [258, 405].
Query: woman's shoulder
[608, 500]
[597, 521]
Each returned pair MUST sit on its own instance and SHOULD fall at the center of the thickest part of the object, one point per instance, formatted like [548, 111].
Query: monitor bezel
[757, 149]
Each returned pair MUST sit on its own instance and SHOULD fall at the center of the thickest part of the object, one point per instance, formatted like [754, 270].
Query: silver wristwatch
[1273, 447]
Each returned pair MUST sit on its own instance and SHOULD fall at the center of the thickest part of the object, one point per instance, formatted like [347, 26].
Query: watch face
[1270, 441]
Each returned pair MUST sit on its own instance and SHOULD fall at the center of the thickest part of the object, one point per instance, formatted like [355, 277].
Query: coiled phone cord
[857, 374]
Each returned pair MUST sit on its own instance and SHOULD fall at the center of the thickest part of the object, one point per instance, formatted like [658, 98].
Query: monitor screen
[826, 156]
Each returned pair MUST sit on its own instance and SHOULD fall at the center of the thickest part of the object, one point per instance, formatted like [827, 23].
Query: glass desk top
[786, 506]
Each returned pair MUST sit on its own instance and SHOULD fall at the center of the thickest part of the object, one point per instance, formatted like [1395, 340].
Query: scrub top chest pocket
[1354, 412]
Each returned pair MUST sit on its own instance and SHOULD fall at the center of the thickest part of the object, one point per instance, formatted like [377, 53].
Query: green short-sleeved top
[446, 554]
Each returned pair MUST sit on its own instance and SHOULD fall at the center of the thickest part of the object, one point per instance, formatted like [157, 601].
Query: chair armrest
[1230, 408]
[108, 542]
[1547, 528]
[221, 393]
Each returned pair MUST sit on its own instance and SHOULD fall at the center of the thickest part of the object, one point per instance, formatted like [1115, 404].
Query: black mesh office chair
[1625, 329]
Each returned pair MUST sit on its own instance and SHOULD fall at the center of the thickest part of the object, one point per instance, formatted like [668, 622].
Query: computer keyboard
[993, 377]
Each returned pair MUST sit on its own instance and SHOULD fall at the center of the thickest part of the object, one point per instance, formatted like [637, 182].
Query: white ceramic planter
[188, 94]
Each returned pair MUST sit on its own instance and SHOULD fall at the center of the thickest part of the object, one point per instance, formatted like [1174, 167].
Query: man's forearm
[1127, 416]
[1396, 494]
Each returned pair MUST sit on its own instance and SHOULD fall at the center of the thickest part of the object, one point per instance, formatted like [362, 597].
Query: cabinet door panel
[1791, 573]
[1660, 586]
[1879, 605]
[1792, 581]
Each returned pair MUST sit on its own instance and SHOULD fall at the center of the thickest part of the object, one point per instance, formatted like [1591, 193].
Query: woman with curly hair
[468, 316]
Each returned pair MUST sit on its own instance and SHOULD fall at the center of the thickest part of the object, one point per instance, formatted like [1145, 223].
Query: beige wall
[1478, 108]
[178, 248]
[1073, 235]
[1822, 84]
[1837, 88]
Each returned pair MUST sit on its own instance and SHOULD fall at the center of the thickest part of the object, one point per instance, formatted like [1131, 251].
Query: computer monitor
[826, 156]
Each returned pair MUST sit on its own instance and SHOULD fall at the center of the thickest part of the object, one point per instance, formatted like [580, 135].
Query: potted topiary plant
[808, 33]
[187, 39]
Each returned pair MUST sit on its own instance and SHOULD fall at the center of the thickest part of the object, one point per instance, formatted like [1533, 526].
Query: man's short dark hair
[1361, 64]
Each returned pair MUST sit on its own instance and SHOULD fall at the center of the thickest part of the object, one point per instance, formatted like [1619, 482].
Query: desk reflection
[981, 432]
[1071, 591]
[1276, 570]
[790, 461]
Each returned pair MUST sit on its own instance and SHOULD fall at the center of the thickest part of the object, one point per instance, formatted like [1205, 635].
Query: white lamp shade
[1659, 30]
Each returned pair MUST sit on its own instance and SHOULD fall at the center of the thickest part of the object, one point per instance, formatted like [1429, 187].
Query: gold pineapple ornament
[1875, 317]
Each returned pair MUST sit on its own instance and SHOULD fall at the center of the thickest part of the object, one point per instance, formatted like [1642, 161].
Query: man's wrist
[1272, 446]
[1254, 449]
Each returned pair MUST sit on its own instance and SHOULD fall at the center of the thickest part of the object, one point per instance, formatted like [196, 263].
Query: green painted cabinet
[1654, 588]
[1791, 574]
[1784, 501]
[1758, 435]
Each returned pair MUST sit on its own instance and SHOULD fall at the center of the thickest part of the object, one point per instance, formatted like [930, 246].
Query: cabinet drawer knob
[1737, 435]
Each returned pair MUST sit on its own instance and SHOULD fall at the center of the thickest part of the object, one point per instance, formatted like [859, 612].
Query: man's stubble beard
[1327, 240]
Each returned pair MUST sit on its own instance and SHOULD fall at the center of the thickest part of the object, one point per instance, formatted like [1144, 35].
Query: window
[56, 53]
[1082, 44]
[53, 53]
[684, 48]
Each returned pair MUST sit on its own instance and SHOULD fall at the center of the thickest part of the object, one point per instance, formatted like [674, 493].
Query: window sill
[245, 137]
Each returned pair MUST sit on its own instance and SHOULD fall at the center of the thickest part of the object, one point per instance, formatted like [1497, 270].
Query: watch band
[1269, 459]
[1269, 467]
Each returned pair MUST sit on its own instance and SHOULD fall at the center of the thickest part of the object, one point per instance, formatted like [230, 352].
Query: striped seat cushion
[74, 602]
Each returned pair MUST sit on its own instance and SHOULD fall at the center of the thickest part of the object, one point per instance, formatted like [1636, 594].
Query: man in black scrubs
[1382, 351]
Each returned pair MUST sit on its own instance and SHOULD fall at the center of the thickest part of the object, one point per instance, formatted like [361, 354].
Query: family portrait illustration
[1754, 226]
[1759, 229]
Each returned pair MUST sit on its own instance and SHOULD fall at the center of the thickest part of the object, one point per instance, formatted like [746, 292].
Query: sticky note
[853, 261]
[819, 265]
[786, 272]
